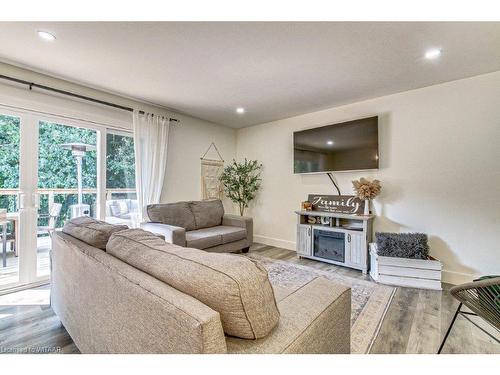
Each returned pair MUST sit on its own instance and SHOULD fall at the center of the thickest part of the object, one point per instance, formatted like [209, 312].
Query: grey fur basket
[402, 245]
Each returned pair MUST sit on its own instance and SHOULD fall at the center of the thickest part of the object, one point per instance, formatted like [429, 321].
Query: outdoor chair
[53, 215]
[10, 237]
[482, 297]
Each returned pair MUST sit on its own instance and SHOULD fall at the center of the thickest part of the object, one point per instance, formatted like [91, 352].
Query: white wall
[189, 139]
[186, 145]
[439, 168]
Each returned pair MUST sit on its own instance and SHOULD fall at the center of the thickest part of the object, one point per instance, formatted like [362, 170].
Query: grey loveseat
[200, 225]
[119, 290]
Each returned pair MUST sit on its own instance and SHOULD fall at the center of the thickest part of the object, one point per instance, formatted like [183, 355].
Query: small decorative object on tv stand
[336, 238]
[366, 190]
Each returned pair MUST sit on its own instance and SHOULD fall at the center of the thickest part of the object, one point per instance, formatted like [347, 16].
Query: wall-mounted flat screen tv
[347, 146]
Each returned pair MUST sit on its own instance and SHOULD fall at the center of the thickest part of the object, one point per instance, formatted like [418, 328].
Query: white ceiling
[273, 70]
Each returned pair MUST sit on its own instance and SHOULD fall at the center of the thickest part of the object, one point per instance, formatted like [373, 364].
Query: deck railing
[52, 192]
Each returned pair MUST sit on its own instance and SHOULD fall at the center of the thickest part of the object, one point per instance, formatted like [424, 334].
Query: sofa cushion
[207, 213]
[235, 286]
[231, 234]
[214, 236]
[178, 214]
[118, 207]
[91, 231]
[203, 238]
[123, 204]
[115, 209]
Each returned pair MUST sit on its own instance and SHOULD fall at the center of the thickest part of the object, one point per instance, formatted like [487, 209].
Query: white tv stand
[352, 236]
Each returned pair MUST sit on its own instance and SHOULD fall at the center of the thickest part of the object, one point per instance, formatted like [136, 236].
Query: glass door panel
[121, 197]
[67, 181]
[9, 190]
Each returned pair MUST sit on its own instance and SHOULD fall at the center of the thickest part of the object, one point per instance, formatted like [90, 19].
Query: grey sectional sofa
[121, 290]
[200, 225]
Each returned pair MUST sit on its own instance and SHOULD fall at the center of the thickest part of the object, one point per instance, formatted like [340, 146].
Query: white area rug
[369, 299]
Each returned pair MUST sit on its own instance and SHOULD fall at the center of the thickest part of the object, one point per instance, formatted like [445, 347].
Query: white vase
[367, 207]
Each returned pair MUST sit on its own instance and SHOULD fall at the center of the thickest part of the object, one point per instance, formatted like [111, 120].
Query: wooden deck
[10, 274]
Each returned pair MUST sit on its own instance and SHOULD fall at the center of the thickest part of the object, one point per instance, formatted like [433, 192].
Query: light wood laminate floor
[416, 319]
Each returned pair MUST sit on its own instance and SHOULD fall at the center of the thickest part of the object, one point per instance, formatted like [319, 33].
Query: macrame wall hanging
[211, 170]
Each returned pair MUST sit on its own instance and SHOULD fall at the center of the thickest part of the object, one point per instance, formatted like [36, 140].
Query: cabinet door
[355, 248]
[304, 239]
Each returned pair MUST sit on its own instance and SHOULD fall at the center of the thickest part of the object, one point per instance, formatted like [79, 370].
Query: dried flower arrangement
[365, 189]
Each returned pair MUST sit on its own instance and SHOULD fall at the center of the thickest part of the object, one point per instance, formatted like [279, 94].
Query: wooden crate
[412, 273]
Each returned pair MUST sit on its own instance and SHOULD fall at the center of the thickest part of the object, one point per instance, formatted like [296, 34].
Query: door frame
[26, 259]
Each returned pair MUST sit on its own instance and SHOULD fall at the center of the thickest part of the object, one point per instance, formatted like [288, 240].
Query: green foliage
[56, 165]
[120, 162]
[241, 182]
[9, 159]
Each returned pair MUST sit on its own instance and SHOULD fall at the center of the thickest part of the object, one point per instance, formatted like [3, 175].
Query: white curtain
[150, 142]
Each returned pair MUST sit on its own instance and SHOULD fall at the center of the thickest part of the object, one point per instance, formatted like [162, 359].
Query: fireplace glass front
[329, 245]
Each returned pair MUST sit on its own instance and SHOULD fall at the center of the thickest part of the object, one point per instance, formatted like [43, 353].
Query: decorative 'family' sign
[342, 204]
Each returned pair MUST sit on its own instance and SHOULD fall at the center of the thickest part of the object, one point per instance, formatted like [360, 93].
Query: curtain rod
[67, 93]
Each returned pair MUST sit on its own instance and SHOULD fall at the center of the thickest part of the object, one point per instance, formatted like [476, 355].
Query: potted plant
[241, 182]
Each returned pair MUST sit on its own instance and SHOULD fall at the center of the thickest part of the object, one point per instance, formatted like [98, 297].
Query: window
[57, 177]
[121, 197]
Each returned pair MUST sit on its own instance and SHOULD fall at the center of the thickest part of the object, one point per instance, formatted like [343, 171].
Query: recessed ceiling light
[46, 35]
[240, 110]
[433, 53]
[329, 143]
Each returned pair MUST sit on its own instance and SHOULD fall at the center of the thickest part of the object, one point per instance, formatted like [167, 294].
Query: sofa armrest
[246, 222]
[314, 319]
[171, 233]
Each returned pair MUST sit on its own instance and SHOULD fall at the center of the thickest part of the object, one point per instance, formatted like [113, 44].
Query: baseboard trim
[290, 245]
[456, 278]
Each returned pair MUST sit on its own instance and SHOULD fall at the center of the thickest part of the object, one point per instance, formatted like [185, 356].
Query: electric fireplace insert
[329, 245]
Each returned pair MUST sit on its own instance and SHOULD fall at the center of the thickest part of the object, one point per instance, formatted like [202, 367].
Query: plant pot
[367, 207]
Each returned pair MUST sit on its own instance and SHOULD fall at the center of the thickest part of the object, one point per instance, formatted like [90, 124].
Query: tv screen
[346, 146]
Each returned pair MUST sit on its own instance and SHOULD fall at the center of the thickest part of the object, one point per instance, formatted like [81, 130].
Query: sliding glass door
[52, 170]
